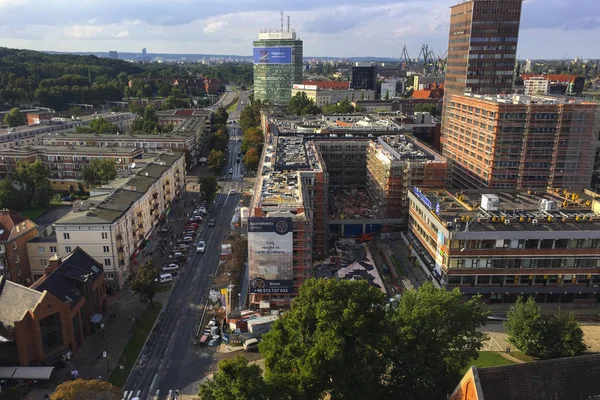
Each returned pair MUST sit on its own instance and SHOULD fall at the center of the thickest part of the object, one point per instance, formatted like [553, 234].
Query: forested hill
[54, 80]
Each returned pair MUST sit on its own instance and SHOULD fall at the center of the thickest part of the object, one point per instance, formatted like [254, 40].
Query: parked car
[187, 239]
[171, 264]
[251, 344]
[170, 270]
[177, 255]
[211, 222]
[201, 247]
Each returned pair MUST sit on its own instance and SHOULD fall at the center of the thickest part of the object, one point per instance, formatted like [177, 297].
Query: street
[169, 361]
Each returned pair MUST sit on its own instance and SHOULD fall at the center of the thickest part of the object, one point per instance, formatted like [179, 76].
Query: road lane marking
[153, 382]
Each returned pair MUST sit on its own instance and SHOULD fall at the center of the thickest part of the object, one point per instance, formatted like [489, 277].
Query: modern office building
[364, 76]
[482, 46]
[277, 58]
[519, 142]
[502, 244]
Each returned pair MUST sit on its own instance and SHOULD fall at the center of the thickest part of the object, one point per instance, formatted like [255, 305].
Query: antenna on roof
[288, 20]
[281, 21]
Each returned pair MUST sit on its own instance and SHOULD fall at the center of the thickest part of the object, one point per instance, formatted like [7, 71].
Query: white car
[232, 191]
[231, 170]
[201, 247]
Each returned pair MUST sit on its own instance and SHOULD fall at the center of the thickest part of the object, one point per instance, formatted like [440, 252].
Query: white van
[251, 344]
[164, 278]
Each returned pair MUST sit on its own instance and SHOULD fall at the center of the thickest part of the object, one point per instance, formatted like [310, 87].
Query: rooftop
[106, 137]
[15, 301]
[403, 148]
[523, 99]
[290, 153]
[70, 150]
[513, 210]
[185, 112]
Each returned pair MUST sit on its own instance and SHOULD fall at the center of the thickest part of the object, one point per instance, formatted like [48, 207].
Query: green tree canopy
[86, 389]
[300, 104]
[341, 107]
[148, 121]
[235, 380]
[220, 138]
[216, 160]
[252, 138]
[100, 170]
[545, 336]
[252, 158]
[15, 118]
[33, 183]
[250, 115]
[144, 283]
[102, 125]
[208, 187]
[430, 108]
[221, 116]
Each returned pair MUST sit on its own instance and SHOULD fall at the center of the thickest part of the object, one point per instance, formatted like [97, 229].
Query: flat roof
[402, 147]
[129, 136]
[526, 99]
[62, 150]
[554, 210]
[70, 123]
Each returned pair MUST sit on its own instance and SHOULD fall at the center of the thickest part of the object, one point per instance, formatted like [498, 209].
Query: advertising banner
[270, 255]
[272, 55]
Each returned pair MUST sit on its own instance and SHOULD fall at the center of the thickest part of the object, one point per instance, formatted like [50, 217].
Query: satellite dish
[132, 165]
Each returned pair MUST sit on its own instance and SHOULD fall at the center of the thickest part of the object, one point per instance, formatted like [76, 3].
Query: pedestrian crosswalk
[172, 394]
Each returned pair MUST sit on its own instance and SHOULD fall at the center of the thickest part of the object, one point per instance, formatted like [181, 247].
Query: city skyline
[376, 28]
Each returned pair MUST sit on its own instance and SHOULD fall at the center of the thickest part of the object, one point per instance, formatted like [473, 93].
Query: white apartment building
[113, 227]
[536, 85]
[323, 97]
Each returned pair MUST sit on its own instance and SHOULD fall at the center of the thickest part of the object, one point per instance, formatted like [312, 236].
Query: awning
[26, 372]
[96, 318]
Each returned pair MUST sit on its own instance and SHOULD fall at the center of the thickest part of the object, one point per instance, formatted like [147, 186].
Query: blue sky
[549, 28]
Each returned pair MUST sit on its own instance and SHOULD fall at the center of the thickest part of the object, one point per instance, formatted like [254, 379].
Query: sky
[358, 28]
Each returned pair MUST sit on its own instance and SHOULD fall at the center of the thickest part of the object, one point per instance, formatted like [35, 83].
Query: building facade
[277, 58]
[15, 232]
[502, 244]
[536, 85]
[519, 142]
[364, 77]
[323, 97]
[482, 46]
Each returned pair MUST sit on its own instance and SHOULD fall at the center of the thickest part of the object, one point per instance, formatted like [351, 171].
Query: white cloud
[6, 3]
[122, 34]
[84, 31]
[215, 26]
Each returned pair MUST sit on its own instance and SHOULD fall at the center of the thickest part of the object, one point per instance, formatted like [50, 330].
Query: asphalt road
[169, 361]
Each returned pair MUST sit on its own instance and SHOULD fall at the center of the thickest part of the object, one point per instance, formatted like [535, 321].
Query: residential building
[503, 244]
[536, 85]
[65, 164]
[41, 324]
[332, 85]
[434, 91]
[277, 57]
[482, 46]
[569, 378]
[425, 81]
[519, 142]
[395, 163]
[322, 97]
[559, 84]
[115, 223]
[15, 232]
[364, 77]
[388, 90]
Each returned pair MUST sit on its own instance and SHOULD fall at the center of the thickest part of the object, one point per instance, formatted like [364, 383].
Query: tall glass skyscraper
[277, 58]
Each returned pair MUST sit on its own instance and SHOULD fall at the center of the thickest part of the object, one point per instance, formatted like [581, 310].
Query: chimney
[53, 264]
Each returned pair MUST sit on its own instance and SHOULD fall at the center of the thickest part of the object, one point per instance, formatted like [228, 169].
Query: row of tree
[346, 340]
[28, 187]
[301, 104]
[253, 137]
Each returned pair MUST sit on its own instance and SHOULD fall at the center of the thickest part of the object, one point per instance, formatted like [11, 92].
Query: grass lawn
[522, 356]
[164, 288]
[134, 347]
[232, 108]
[488, 359]
[33, 213]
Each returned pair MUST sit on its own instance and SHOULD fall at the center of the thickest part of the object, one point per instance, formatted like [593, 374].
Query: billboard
[270, 253]
[272, 55]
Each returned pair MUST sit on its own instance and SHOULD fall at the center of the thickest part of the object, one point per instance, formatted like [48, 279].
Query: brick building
[15, 232]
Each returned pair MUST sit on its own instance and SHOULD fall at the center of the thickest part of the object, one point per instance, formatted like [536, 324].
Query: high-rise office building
[482, 46]
[277, 57]
[364, 76]
[144, 52]
[113, 54]
[520, 142]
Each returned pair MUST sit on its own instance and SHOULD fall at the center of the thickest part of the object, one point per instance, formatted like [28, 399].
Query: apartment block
[114, 224]
[519, 142]
[482, 46]
[395, 163]
[15, 232]
[503, 244]
[322, 96]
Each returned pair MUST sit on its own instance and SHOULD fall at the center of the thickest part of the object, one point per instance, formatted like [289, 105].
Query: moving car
[232, 191]
[201, 247]
[231, 170]
[211, 222]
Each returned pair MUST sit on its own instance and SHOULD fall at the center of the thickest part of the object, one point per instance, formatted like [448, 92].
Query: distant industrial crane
[405, 56]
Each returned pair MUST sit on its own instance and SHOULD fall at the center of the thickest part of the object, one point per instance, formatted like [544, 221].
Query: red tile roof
[329, 84]
[186, 112]
[8, 220]
[421, 94]
[552, 77]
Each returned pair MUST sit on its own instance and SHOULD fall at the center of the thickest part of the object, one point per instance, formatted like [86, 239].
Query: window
[14, 245]
[104, 235]
[66, 236]
[51, 332]
[52, 249]
[68, 249]
[106, 249]
[107, 262]
[43, 262]
[41, 249]
[109, 276]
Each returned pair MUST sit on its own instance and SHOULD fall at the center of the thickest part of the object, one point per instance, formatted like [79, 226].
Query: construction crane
[405, 56]
[440, 64]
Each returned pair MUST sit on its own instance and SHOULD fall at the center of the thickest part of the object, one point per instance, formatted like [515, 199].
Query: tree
[235, 380]
[430, 108]
[105, 170]
[84, 389]
[341, 107]
[432, 337]
[300, 104]
[143, 282]
[329, 341]
[387, 95]
[219, 139]
[9, 195]
[221, 116]
[102, 125]
[147, 123]
[89, 176]
[208, 187]
[216, 160]
[252, 137]
[250, 115]
[251, 158]
[545, 336]
[33, 184]
[15, 118]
